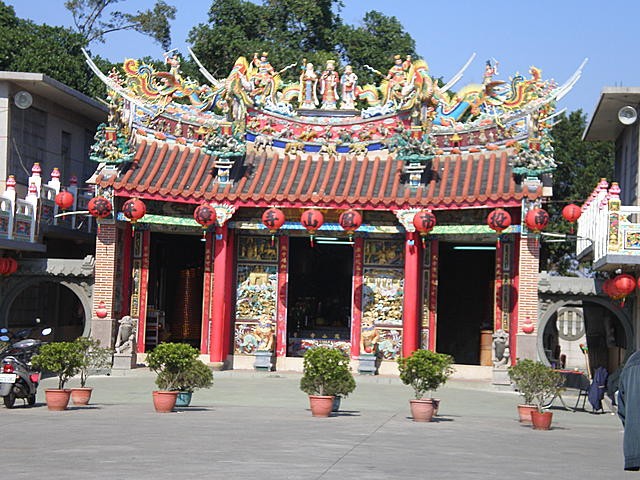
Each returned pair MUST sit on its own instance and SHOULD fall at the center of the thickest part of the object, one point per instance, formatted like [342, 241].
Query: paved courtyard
[258, 426]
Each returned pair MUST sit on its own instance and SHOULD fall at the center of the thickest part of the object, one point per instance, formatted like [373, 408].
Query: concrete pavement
[256, 425]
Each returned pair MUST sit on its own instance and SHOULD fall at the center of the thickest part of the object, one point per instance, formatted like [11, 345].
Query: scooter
[18, 379]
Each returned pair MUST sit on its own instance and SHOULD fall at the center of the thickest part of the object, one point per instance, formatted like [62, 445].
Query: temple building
[255, 217]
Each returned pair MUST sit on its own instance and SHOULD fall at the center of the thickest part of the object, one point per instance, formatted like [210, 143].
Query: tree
[375, 43]
[290, 30]
[581, 165]
[89, 19]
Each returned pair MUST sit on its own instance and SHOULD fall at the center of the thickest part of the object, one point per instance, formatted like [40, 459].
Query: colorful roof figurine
[411, 141]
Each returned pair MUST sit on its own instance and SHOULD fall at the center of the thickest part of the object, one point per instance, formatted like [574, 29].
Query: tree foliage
[55, 51]
[581, 165]
[290, 30]
[93, 22]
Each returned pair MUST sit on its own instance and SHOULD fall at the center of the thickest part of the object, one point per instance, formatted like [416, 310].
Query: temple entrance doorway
[174, 303]
[320, 293]
[465, 299]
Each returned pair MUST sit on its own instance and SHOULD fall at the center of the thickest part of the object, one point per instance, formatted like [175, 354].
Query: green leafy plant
[63, 359]
[425, 371]
[326, 372]
[94, 357]
[170, 361]
[196, 375]
[536, 382]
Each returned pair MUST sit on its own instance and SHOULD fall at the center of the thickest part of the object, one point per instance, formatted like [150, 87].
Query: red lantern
[4, 266]
[134, 209]
[424, 221]
[571, 213]
[350, 220]
[206, 216]
[99, 207]
[64, 200]
[610, 290]
[13, 265]
[536, 220]
[624, 284]
[273, 219]
[499, 220]
[312, 220]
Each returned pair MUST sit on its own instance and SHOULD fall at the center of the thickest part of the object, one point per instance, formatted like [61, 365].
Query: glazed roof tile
[170, 172]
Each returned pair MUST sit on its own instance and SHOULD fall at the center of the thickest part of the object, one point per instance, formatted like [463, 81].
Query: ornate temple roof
[255, 140]
[373, 181]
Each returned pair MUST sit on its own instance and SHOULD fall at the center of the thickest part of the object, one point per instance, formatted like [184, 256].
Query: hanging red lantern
[134, 209]
[424, 221]
[624, 284]
[350, 220]
[4, 266]
[273, 219]
[571, 213]
[99, 207]
[312, 220]
[536, 219]
[64, 200]
[13, 265]
[499, 220]
[206, 216]
[609, 289]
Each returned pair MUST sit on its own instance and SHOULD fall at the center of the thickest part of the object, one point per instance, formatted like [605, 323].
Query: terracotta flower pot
[321, 405]
[422, 410]
[81, 395]
[57, 400]
[164, 401]
[524, 412]
[541, 420]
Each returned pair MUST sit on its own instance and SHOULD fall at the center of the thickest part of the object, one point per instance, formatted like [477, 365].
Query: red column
[207, 293]
[144, 290]
[228, 328]
[356, 313]
[411, 314]
[433, 294]
[216, 338]
[281, 307]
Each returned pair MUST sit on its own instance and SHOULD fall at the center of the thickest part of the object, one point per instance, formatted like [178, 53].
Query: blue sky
[555, 36]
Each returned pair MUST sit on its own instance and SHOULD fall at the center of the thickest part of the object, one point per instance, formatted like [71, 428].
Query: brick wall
[529, 263]
[104, 278]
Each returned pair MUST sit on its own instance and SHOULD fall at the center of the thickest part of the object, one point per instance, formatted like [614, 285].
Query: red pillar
[216, 339]
[228, 328]
[411, 313]
[144, 290]
[433, 294]
[356, 314]
[282, 296]
[207, 293]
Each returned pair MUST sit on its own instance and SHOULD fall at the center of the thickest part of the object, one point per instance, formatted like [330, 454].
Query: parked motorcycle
[18, 379]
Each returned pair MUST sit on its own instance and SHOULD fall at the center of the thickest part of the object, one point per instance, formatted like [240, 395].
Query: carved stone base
[265, 360]
[123, 361]
[368, 364]
[501, 378]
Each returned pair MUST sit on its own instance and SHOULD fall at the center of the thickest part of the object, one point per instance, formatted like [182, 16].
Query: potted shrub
[169, 361]
[94, 357]
[196, 375]
[64, 360]
[326, 373]
[537, 384]
[424, 371]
